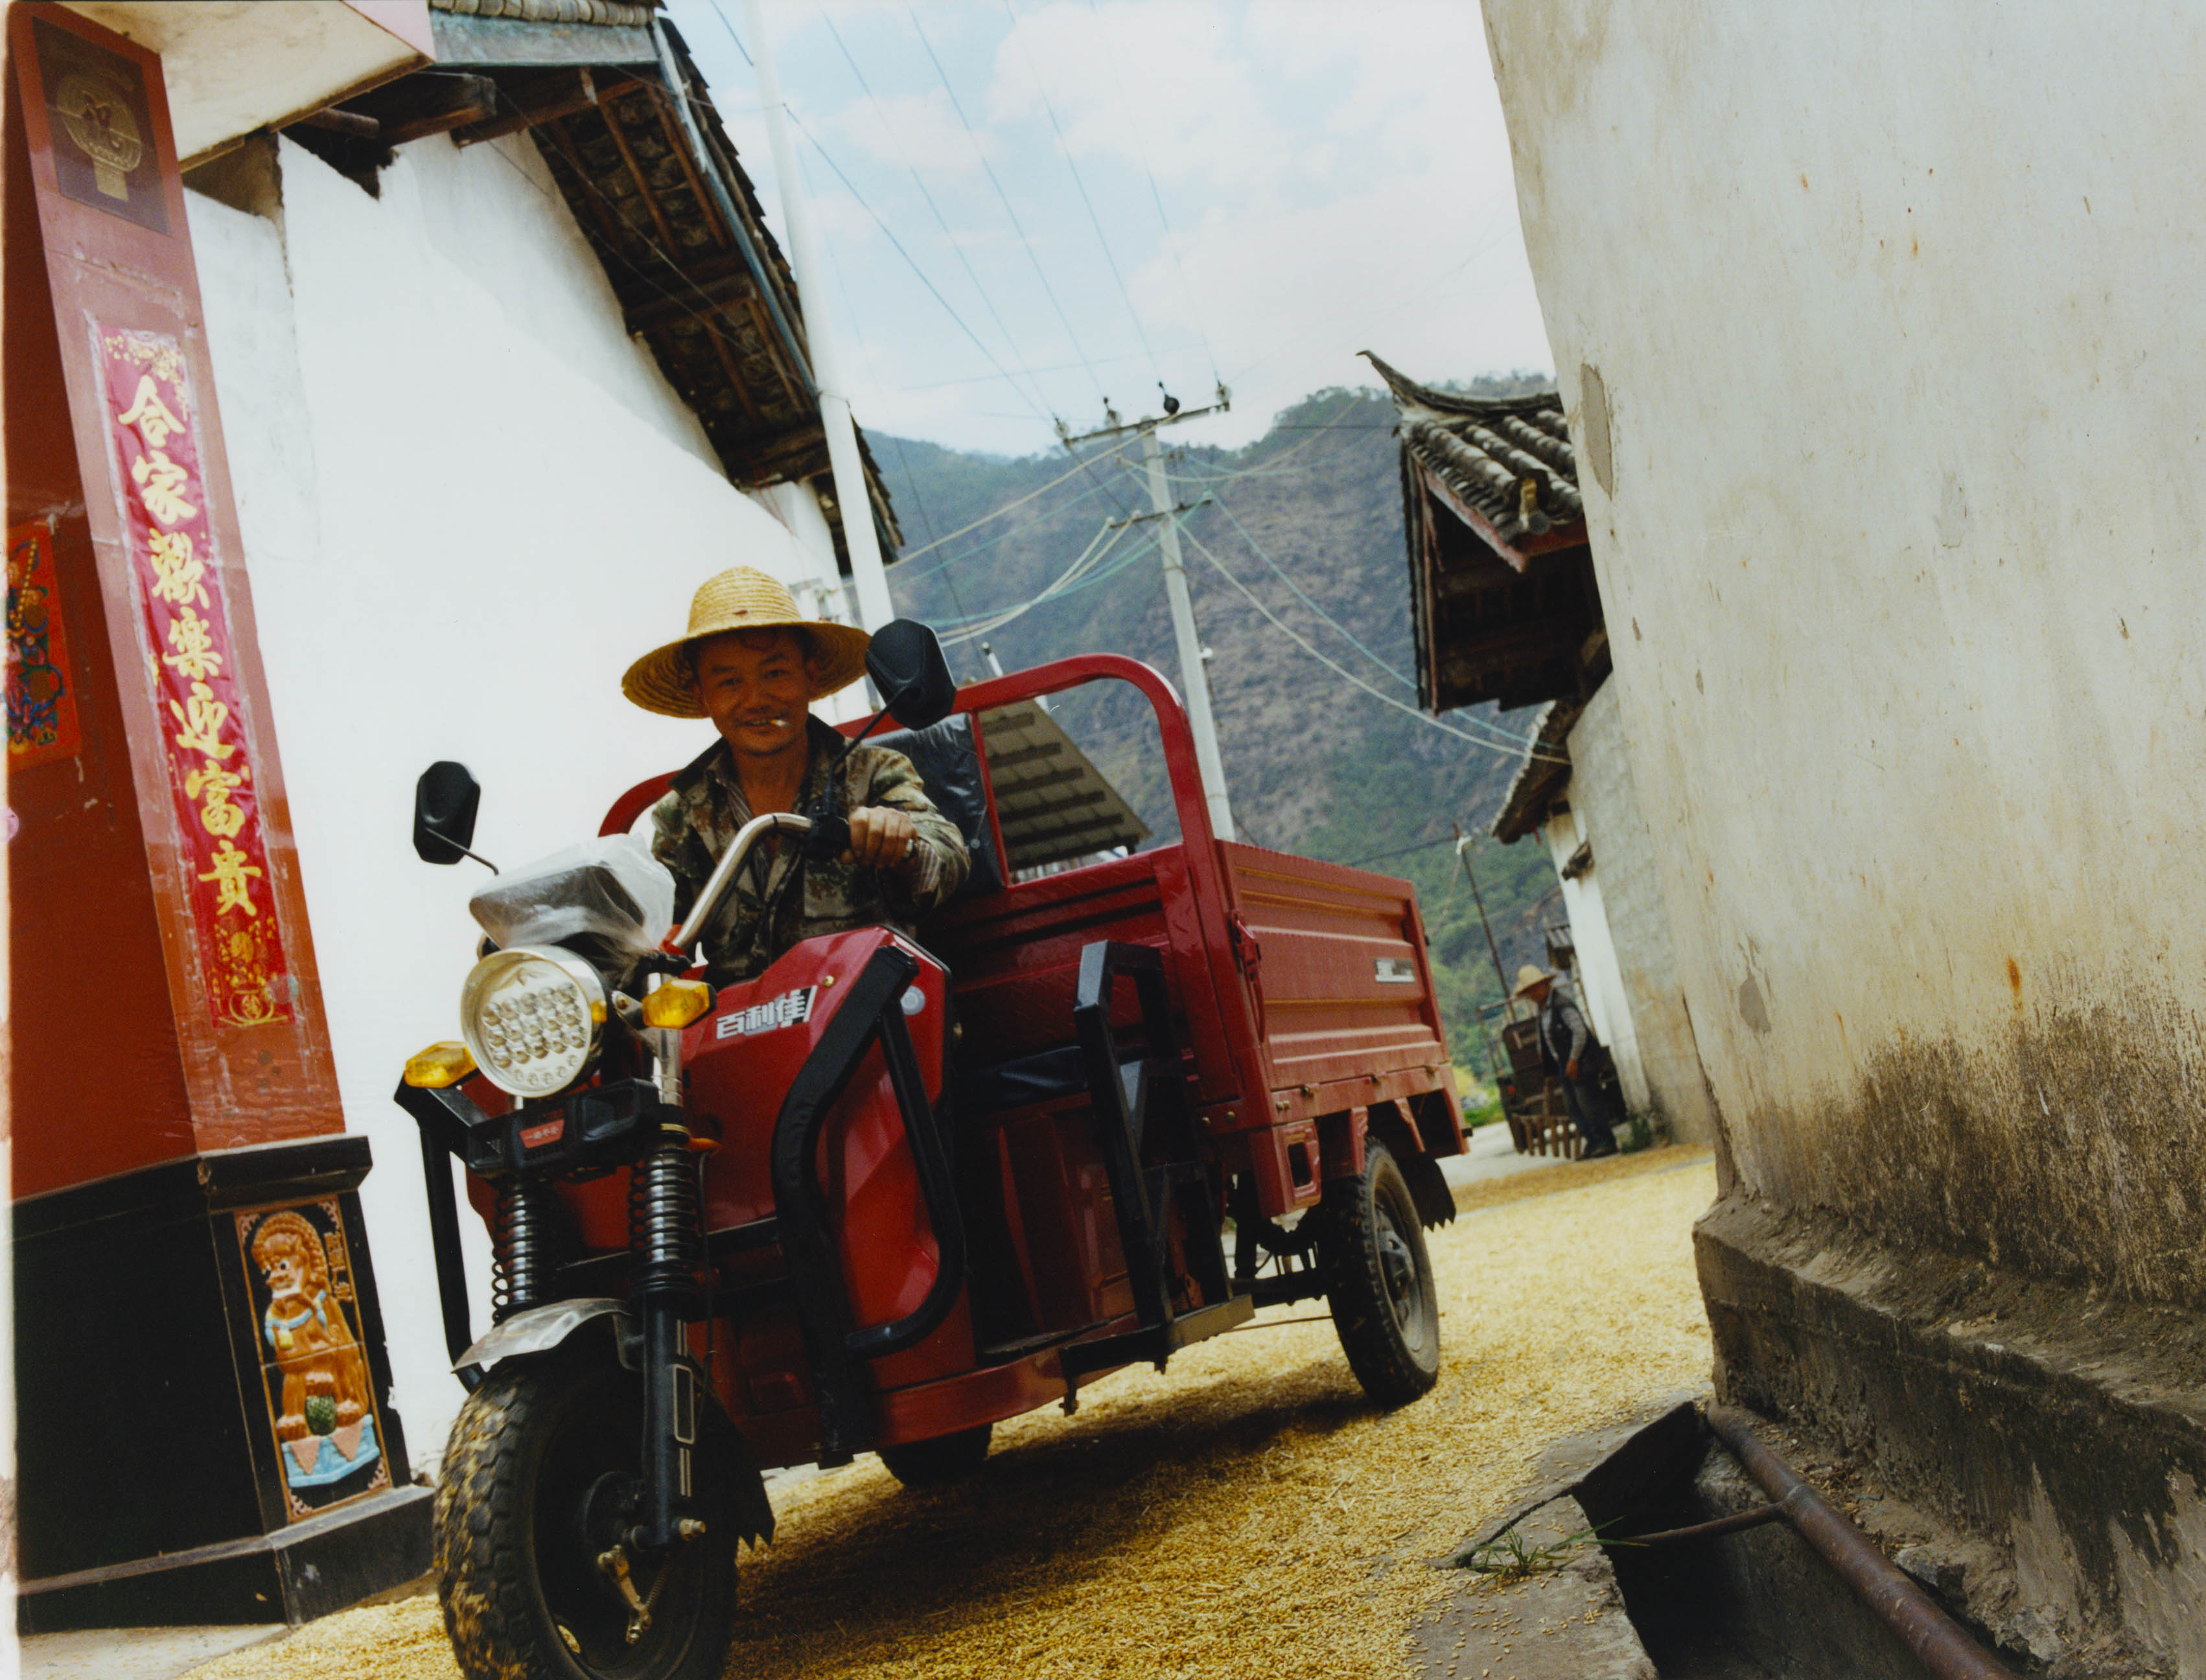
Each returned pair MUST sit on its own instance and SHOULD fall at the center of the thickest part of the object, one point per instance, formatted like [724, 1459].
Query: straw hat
[741, 597]
[1529, 976]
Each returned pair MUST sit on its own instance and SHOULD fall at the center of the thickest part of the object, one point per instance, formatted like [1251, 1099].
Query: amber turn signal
[439, 1065]
[676, 1004]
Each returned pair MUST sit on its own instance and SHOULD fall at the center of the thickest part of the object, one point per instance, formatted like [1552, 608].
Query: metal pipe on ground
[1938, 1643]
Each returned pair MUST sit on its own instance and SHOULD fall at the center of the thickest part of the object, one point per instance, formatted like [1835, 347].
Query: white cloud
[919, 130]
[1289, 297]
[1161, 82]
[1338, 177]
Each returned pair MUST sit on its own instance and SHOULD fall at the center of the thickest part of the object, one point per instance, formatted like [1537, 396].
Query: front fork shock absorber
[666, 1241]
[525, 1249]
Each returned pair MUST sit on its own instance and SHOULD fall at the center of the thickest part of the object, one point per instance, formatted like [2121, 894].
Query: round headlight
[531, 1017]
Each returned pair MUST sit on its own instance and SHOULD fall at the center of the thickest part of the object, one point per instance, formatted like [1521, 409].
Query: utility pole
[846, 465]
[1195, 682]
[1463, 856]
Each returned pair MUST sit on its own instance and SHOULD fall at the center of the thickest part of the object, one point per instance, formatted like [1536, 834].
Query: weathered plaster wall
[1900, 336]
[1605, 804]
[468, 500]
[1881, 336]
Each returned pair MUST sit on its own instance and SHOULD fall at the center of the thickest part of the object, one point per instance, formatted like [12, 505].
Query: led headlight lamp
[531, 1017]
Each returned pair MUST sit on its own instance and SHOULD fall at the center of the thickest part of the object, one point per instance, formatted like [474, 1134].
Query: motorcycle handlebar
[679, 942]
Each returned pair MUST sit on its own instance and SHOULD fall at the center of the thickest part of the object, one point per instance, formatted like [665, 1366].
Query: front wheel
[541, 1477]
[1379, 1280]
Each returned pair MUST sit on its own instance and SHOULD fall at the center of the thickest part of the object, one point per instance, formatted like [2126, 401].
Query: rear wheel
[1379, 1280]
[945, 1459]
[540, 1480]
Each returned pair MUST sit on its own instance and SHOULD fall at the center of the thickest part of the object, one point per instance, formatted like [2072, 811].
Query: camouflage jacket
[697, 819]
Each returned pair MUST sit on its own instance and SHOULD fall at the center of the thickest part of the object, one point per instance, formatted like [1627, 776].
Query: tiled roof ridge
[611, 13]
[1509, 457]
[1408, 392]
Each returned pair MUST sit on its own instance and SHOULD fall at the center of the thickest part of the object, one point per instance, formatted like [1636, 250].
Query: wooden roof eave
[1539, 780]
[545, 84]
[1517, 552]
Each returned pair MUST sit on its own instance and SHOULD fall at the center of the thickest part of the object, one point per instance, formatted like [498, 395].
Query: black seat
[948, 760]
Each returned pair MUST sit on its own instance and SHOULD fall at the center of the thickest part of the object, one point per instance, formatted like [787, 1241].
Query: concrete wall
[1636, 920]
[468, 500]
[1893, 485]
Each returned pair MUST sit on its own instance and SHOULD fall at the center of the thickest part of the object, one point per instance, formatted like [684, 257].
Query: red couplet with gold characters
[178, 1143]
[198, 699]
[157, 853]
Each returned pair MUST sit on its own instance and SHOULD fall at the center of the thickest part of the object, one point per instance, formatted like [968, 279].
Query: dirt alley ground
[1248, 1513]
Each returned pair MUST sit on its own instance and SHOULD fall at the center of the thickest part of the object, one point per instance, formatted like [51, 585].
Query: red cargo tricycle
[891, 1191]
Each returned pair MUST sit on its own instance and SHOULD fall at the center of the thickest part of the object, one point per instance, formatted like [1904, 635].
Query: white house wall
[1600, 982]
[468, 502]
[493, 212]
[1892, 471]
[1898, 519]
[1636, 921]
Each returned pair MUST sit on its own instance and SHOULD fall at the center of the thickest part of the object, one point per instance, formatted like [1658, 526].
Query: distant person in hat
[1566, 1044]
[754, 665]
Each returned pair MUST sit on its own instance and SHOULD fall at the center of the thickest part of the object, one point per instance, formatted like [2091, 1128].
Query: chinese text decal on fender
[196, 693]
[785, 1011]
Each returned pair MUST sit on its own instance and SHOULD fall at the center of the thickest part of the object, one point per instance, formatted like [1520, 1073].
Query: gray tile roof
[1504, 603]
[1509, 457]
[610, 12]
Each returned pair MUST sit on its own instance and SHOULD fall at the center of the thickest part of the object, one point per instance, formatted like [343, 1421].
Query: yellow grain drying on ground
[1248, 1513]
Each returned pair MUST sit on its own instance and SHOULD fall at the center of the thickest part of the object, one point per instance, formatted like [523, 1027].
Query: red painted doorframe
[164, 995]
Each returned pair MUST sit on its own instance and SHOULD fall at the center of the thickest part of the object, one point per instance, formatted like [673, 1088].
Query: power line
[720, 12]
[1258, 549]
[889, 234]
[1171, 244]
[1400, 851]
[1201, 475]
[1045, 367]
[927, 518]
[1105, 540]
[1505, 743]
[941, 221]
[1004, 198]
[1066, 148]
[827, 157]
[1086, 465]
[995, 512]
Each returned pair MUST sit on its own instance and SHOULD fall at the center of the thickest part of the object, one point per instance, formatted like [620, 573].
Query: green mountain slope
[1314, 764]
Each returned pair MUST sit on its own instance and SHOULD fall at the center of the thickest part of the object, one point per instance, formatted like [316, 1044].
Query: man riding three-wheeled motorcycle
[817, 1125]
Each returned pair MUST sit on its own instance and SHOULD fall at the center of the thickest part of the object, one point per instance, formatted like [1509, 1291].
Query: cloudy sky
[1106, 193]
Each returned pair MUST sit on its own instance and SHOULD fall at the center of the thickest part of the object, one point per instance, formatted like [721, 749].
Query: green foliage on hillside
[1314, 764]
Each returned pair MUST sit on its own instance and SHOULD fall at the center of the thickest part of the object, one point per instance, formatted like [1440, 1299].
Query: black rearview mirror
[911, 675]
[445, 801]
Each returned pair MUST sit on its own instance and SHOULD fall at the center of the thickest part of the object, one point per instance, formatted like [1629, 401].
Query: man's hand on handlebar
[880, 837]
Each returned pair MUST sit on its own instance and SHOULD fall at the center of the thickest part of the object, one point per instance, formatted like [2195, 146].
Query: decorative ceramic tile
[320, 1392]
